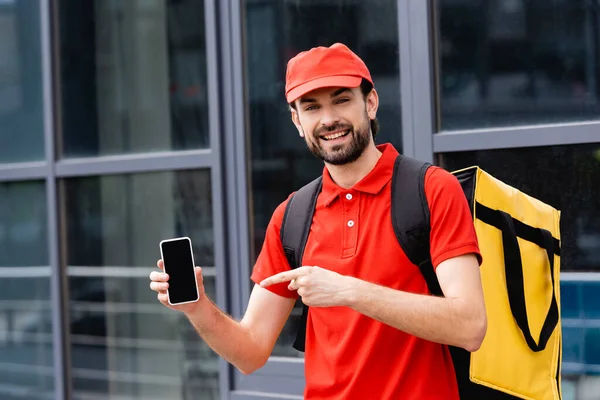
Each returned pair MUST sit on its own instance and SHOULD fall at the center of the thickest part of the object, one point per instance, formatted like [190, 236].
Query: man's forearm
[227, 337]
[442, 320]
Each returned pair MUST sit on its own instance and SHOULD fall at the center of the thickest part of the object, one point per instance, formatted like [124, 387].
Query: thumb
[199, 277]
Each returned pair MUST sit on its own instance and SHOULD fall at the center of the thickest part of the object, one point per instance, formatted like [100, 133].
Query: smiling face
[336, 122]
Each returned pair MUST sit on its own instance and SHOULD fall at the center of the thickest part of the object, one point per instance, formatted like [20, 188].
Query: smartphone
[179, 264]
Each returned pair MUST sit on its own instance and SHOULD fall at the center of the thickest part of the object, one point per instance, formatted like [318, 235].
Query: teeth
[337, 135]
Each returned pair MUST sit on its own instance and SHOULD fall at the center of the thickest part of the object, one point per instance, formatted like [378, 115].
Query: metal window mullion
[416, 77]
[517, 136]
[281, 376]
[253, 395]
[236, 139]
[235, 159]
[217, 184]
[131, 163]
[406, 95]
[24, 171]
[58, 289]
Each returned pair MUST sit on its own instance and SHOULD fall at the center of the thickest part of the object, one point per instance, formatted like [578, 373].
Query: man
[373, 330]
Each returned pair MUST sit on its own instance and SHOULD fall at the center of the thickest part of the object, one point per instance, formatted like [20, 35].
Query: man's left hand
[318, 287]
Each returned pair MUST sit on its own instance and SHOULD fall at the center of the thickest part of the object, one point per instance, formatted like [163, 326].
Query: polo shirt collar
[372, 183]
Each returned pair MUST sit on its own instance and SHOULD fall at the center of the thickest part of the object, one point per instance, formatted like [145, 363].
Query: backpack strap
[295, 229]
[410, 219]
[410, 216]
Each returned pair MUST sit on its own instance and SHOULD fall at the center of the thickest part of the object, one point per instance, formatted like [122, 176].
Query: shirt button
[350, 223]
[349, 196]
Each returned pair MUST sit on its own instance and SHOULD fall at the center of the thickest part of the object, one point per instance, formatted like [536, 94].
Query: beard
[345, 153]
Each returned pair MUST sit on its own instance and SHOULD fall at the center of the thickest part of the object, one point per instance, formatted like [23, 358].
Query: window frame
[418, 44]
[52, 170]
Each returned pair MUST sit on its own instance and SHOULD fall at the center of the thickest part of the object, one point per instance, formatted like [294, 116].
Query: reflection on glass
[25, 314]
[133, 76]
[21, 107]
[123, 341]
[518, 62]
[276, 31]
[568, 178]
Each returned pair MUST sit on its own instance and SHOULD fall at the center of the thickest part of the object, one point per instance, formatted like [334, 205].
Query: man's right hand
[159, 282]
[247, 344]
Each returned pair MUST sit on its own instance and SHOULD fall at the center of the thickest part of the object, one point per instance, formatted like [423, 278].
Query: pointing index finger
[282, 277]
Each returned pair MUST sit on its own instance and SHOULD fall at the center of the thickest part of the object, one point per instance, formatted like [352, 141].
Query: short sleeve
[271, 259]
[452, 229]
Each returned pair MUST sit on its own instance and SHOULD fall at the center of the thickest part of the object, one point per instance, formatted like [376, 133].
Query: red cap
[324, 67]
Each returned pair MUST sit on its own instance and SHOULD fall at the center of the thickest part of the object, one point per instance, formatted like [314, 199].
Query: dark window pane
[276, 31]
[580, 322]
[133, 76]
[21, 101]
[592, 347]
[26, 360]
[590, 297]
[571, 299]
[518, 62]
[123, 341]
[573, 339]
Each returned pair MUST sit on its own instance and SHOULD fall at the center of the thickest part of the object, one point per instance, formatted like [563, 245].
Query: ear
[296, 121]
[372, 101]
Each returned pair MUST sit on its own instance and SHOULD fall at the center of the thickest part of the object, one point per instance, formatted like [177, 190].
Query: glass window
[133, 76]
[21, 100]
[518, 62]
[26, 360]
[568, 178]
[124, 343]
[276, 31]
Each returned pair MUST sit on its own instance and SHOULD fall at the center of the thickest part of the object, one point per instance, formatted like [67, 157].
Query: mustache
[336, 127]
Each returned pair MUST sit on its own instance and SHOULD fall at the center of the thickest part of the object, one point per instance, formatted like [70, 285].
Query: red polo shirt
[349, 355]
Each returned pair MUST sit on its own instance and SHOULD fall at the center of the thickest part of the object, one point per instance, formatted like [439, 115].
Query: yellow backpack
[520, 244]
[519, 238]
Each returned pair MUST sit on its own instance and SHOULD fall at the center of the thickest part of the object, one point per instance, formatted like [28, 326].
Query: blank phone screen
[177, 257]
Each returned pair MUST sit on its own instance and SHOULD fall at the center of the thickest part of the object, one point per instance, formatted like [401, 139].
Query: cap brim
[327, 81]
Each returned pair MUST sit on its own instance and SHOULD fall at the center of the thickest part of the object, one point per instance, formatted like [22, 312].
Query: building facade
[125, 122]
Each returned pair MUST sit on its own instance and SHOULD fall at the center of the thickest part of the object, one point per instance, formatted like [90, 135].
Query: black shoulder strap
[410, 219]
[295, 228]
[410, 216]
[297, 219]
